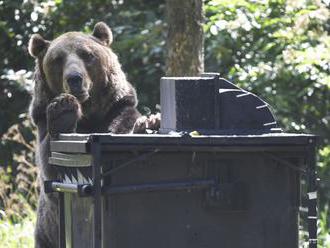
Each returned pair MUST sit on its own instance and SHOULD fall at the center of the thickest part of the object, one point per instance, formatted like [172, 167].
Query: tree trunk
[185, 53]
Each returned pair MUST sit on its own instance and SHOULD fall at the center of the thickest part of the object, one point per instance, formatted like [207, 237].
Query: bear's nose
[74, 81]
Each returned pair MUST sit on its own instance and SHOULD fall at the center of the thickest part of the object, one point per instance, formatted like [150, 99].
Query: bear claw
[145, 123]
[63, 114]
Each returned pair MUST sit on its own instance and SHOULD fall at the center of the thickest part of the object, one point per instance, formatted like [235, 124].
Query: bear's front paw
[144, 123]
[63, 114]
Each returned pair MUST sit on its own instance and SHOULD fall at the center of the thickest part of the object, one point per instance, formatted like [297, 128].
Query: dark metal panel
[97, 184]
[224, 106]
[185, 219]
[312, 194]
[266, 167]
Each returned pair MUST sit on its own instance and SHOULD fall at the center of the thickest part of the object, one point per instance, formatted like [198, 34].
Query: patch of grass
[17, 235]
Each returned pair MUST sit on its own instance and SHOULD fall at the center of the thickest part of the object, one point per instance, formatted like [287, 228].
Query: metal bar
[163, 186]
[80, 142]
[81, 189]
[61, 226]
[220, 140]
[312, 194]
[97, 184]
[64, 187]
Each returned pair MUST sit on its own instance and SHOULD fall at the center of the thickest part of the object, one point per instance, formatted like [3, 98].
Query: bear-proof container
[220, 174]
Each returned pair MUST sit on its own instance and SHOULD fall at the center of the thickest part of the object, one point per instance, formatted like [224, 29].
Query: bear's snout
[74, 81]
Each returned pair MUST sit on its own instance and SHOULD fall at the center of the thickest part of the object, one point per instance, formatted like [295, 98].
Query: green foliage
[17, 235]
[323, 231]
[278, 49]
[18, 181]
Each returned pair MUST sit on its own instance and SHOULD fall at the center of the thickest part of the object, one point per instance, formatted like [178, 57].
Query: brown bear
[79, 87]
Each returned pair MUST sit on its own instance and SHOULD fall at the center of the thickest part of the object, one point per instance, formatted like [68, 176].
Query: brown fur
[105, 102]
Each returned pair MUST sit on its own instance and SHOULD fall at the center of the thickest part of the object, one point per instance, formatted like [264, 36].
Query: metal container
[239, 188]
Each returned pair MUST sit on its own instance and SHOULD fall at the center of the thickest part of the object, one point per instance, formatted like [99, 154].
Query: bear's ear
[37, 45]
[103, 33]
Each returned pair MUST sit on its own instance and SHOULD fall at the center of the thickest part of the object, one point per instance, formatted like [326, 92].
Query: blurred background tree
[185, 38]
[277, 49]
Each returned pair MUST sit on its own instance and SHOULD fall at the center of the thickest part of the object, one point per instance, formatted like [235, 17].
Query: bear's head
[80, 64]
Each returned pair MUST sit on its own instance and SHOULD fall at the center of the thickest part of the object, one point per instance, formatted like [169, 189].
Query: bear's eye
[87, 56]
